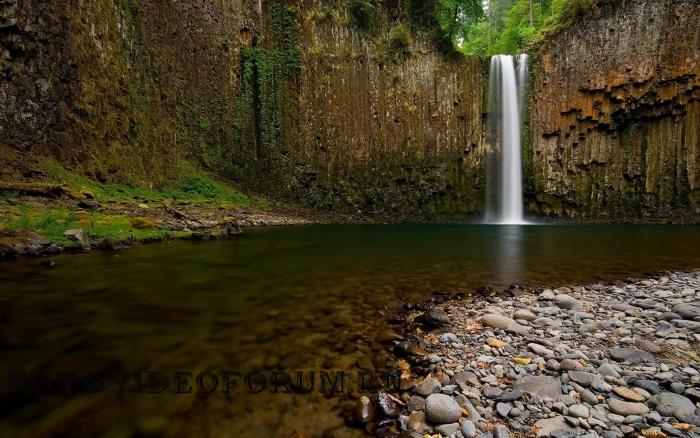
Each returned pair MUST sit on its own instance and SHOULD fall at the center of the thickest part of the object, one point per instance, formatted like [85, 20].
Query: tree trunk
[532, 18]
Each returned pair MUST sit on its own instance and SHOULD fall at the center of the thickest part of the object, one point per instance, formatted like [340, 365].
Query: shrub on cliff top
[363, 14]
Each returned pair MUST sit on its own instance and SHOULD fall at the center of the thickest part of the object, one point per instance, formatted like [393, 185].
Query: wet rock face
[350, 133]
[615, 113]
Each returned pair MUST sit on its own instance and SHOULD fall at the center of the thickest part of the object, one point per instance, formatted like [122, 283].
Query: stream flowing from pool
[289, 298]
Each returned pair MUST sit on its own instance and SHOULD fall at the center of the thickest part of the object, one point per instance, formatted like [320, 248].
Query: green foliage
[400, 40]
[363, 14]
[263, 96]
[51, 223]
[194, 186]
[509, 26]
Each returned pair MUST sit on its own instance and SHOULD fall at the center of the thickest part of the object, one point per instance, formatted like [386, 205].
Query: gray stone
[571, 365]
[464, 377]
[627, 408]
[649, 346]
[429, 385]
[415, 403]
[586, 395]
[617, 419]
[667, 403]
[622, 307]
[542, 386]
[503, 322]
[524, 314]
[540, 350]
[690, 325]
[442, 409]
[509, 396]
[77, 235]
[434, 317]
[472, 413]
[677, 387]
[687, 310]
[568, 302]
[654, 417]
[630, 355]
[578, 411]
[447, 429]
[468, 429]
[669, 316]
[547, 295]
[647, 385]
[503, 409]
[581, 377]
[549, 426]
[501, 431]
[608, 370]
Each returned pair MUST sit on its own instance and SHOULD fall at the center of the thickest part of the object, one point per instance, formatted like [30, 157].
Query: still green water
[293, 298]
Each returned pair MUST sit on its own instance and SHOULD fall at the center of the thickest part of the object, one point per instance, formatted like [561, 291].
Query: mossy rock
[143, 223]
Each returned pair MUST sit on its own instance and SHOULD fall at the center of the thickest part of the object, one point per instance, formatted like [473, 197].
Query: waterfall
[507, 88]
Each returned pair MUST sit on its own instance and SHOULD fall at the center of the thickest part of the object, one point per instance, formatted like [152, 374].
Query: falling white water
[507, 101]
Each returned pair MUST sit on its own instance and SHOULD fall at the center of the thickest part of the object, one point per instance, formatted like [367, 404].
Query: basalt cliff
[313, 103]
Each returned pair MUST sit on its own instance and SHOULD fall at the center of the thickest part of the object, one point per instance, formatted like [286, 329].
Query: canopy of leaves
[509, 26]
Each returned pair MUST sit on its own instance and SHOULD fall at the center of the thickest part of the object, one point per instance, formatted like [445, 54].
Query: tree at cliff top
[448, 19]
[509, 26]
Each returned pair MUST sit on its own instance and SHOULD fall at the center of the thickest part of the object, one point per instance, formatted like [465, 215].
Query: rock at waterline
[387, 406]
[568, 302]
[433, 317]
[542, 386]
[77, 235]
[364, 411]
[503, 323]
[442, 409]
[429, 385]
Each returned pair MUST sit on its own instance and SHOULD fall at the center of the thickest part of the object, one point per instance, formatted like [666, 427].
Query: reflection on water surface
[277, 298]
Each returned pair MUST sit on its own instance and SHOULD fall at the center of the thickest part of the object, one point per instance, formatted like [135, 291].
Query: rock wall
[615, 115]
[289, 98]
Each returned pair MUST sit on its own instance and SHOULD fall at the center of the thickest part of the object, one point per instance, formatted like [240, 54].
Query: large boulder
[442, 409]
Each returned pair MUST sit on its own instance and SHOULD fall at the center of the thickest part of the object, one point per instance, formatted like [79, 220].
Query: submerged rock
[364, 411]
